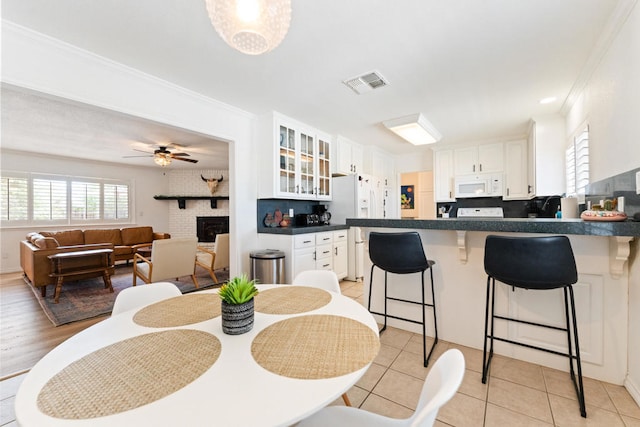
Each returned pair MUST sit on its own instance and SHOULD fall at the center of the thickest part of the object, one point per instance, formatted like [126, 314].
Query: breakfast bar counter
[604, 252]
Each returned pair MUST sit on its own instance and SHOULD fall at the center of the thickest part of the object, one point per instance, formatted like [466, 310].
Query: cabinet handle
[449, 194]
[326, 238]
[314, 256]
[326, 252]
[297, 189]
[335, 251]
[306, 241]
[507, 191]
[326, 265]
[474, 168]
[529, 189]
[480, 167]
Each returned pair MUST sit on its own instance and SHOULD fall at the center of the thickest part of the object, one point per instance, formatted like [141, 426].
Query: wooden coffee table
[69, 264]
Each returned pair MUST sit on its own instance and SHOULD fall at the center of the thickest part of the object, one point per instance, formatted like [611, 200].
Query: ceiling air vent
[366, 82]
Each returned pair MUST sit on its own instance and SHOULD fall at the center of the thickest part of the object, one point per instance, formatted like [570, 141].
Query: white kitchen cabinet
[547, 144]
[301, 164]
[348, 157]
[481, 158]
[310, 251]
[516, 171]
[340, 257]
[443, 176]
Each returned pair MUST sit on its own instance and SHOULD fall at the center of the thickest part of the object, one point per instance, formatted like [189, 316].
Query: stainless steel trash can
[267, 266]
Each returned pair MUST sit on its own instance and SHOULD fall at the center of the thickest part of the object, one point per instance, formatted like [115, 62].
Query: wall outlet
[637, 182]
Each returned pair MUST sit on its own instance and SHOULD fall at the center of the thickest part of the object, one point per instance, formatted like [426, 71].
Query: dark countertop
[301, 230]
[514, 225]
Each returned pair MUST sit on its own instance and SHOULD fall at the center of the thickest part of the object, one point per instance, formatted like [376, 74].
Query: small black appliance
[324, 216]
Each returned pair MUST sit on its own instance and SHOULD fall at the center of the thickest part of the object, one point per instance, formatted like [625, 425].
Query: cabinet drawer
[324, 264]
[324, 237]
[324, 251]
[340, 236]
[304, 240]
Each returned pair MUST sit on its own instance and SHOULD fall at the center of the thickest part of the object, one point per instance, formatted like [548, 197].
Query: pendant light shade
[251, 26]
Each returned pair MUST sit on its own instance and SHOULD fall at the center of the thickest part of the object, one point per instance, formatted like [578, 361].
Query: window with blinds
[116, 201]
[85, 200]
[577, 163]
[26, 198]
[49, 200]
[14, 203]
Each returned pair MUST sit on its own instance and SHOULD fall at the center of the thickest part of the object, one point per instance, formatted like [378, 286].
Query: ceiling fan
[163, 157]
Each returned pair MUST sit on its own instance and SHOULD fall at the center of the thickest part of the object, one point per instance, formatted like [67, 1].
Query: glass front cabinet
[302, 165]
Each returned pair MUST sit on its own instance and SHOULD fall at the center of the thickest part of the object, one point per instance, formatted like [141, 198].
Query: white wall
[415, 162]
[610, 103]
[37, 62]
[146, 182]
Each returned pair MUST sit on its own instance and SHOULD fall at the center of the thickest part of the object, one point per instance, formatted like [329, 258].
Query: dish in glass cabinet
[603, 216]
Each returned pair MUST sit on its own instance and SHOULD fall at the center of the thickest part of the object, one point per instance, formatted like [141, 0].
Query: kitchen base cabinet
[309, 251]
[340, 257]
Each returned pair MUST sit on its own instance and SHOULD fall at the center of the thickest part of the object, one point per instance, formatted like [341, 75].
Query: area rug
[85, 299]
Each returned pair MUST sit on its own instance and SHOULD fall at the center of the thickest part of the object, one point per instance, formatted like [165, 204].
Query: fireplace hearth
[210, 226]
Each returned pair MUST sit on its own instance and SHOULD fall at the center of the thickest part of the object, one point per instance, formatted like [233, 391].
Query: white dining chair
[441, 385]
[323, 279]
[140, 296]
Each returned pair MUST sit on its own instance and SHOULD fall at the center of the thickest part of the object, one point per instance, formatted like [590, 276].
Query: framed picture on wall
[407, 197]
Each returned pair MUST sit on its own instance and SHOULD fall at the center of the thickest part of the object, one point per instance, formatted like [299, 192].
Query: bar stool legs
[569, 304]
[423, 305]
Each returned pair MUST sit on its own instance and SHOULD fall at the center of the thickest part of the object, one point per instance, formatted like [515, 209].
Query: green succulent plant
[238, 290]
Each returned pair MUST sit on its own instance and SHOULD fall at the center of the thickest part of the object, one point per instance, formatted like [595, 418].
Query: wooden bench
[70, 264]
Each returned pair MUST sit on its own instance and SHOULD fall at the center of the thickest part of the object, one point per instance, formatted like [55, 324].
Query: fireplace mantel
[182, 199]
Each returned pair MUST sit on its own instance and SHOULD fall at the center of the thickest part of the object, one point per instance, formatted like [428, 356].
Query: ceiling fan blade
[179, 154]
[186, 160]
[148, 155]
[142, 151]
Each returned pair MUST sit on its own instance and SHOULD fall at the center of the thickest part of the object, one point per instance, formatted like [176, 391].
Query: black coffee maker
[323, 215]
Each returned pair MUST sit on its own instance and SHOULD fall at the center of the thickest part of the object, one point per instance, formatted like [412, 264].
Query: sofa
[37, 246]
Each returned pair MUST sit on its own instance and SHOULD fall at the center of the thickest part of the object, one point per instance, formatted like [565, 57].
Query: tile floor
[517, 394]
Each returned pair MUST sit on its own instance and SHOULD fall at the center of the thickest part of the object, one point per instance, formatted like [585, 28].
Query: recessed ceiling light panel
[414, 128]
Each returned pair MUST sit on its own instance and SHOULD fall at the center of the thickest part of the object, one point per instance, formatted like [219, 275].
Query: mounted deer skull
[212, 183]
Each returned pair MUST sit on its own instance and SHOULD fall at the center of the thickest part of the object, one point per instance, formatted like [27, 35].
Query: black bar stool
[402, 253]
[540, 263]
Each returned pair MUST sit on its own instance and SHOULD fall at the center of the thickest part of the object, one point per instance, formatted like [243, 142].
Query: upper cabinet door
[479, 159]
[516, 171]
[349, 158]
[323, 167]
[288, 155]
[443, 176]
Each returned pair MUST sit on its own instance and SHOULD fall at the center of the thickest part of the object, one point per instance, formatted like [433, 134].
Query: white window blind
[577, 163]
[116, 201]
[14, 203]
[85, 200]
[49, 200]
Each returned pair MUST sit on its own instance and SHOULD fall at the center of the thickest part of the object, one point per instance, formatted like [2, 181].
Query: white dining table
[235, 390]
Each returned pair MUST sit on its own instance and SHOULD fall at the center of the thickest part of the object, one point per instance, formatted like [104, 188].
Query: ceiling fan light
[161, 160]
[251, 26]
[415, 129]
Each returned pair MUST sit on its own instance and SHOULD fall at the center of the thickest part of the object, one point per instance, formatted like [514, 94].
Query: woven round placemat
[291, 300]
[179, 311]
[129, 374]
[315, 346]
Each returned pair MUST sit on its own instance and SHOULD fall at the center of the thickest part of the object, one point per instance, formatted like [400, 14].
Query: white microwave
[478, 185]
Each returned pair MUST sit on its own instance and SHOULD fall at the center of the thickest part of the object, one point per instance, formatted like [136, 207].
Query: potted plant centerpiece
[237, 305]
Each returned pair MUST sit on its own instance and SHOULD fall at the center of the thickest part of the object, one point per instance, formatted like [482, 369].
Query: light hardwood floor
[517, 393]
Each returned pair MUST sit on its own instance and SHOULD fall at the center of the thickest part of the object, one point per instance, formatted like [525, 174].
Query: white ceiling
[475, 69]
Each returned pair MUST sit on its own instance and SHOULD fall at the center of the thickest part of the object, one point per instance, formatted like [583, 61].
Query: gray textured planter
[237, 318]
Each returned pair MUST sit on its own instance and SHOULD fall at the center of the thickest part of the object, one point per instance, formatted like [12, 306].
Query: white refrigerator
[356, 196]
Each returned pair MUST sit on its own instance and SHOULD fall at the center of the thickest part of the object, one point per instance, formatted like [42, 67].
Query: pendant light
[250, 26]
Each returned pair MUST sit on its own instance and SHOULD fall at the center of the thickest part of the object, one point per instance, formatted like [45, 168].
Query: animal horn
[221, 177]
[203, 178]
